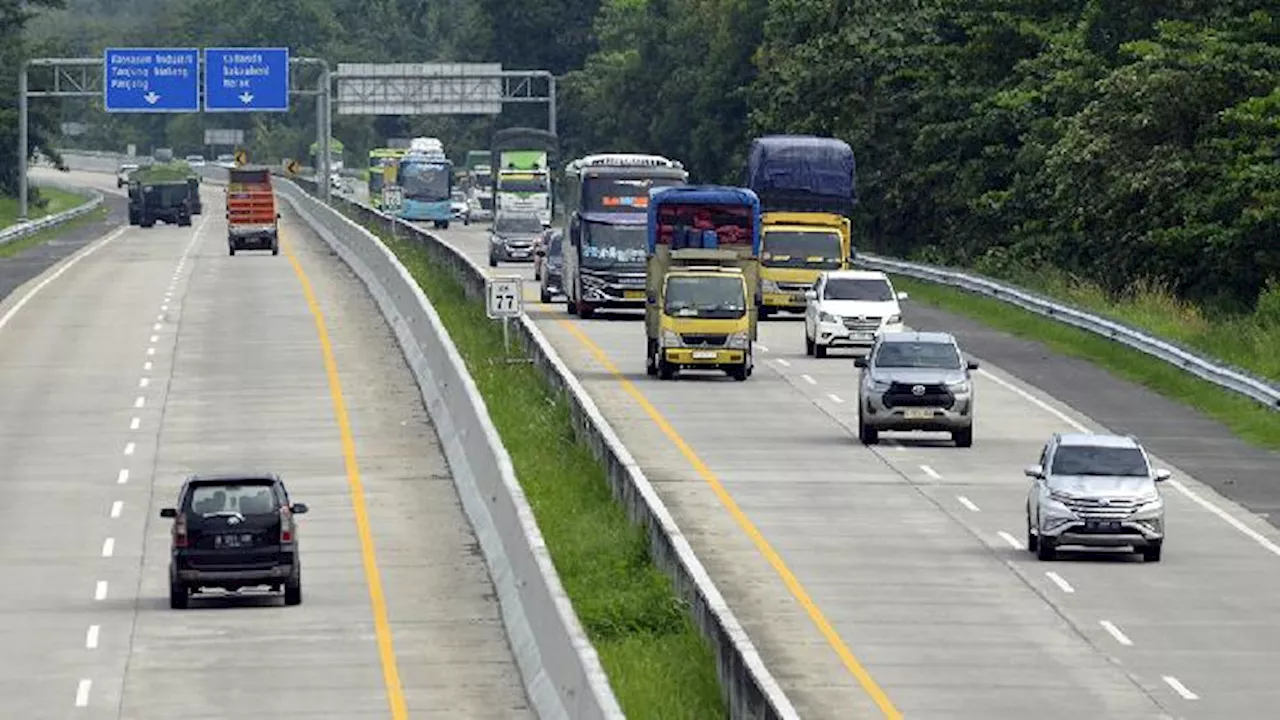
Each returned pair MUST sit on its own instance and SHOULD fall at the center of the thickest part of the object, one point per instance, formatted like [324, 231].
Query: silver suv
[1096, 491]
[915, 381]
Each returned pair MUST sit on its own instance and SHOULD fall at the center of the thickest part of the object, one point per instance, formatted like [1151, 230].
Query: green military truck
[167, 192]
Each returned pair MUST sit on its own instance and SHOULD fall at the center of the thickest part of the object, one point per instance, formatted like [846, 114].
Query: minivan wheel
[963, 438]
[179, 595]
[868, 435]
[1032, 539]
[1045, 549]
[1151, 553]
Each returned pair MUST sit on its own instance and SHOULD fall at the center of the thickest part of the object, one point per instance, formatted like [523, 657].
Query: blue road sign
[151, 80]
[246, 79]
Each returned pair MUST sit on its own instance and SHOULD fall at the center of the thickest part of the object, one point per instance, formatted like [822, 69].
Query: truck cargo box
[802, 173]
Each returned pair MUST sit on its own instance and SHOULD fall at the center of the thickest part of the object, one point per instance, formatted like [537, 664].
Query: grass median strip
[1245, 417]
[658, 664]
[57, 201]
[10, 249]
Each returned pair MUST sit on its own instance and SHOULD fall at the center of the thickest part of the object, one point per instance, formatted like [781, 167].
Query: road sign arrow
[151, 98]
[246, 98]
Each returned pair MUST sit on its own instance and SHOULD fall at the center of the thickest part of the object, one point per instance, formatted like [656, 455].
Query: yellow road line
[789, 579]
[382, 627]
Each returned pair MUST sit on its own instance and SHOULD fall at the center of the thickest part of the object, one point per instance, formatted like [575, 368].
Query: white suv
[849, 308]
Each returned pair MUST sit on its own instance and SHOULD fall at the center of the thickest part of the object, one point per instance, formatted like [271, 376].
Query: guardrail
[93, 199]
[1217, 373]
[752, 691]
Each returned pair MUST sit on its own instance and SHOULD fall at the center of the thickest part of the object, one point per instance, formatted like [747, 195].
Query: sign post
[504, 299]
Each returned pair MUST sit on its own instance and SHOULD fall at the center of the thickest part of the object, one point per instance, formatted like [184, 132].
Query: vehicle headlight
[1150, 508]
[769, 286]
[671, 339]
[893, 320]
[827, 317]
[960, 388]
[1055, 508]
[738, 341]
[878, 385]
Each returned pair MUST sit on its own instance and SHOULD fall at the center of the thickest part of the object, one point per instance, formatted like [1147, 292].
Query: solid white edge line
[134, 423]
[122, 477]
[968, 503]
[1115, 632]
[82, 692]
[108, 547]
[1060, 582]
[1191, 495]
[91, 637]
[129, 448]
[1013, 541]
[4, 319]
[116, 508]
[930, 472]
[835, 398]
[100, 590]
[1179, 688]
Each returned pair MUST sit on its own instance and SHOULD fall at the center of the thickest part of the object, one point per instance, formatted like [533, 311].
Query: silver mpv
[1095, 491]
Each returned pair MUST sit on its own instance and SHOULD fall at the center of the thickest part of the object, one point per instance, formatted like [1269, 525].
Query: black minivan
[232, 532]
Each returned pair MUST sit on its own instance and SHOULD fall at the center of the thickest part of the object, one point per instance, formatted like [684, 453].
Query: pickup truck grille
[691, 339]
[867, 324]
[901, 395]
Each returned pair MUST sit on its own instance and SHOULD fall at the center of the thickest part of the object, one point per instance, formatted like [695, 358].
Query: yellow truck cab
[702, 280]
[806, 189]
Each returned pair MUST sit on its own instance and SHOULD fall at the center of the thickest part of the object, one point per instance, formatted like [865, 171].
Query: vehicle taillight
[286, 525]
[180, 531]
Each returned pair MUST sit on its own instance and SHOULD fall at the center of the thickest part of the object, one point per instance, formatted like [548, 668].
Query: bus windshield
[425, 182]
[620, 194]
[604, 245]
[522, 183]
[705, 296]
[798, 249]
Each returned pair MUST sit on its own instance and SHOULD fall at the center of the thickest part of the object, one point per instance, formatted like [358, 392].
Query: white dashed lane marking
[100, 590]
[116, 508]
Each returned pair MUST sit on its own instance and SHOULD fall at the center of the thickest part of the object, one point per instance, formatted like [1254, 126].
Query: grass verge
[658, 664]
[1251, 421]
[11, 249]
[56, 201]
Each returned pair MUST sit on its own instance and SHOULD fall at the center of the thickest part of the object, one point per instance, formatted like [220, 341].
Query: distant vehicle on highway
[195, 160]
[226, 161]
[1095, 490]
[915, 381]
[122, 175]
[548, 264]
[232, 532]
[512, 236]
[848, 308]
[461, 208]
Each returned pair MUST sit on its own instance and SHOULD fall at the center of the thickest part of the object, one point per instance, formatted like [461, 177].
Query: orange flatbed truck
[251, 211]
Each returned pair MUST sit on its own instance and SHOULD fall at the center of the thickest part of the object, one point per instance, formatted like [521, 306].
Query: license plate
[633, 294]
[918, 413]
[704, 354]
[1102, 525]
[229, 541]
[862, 335]
[519, 253]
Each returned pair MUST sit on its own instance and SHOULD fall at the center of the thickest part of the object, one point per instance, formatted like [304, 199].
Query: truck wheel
[232, 250]
[147, 221]
[666, 370]
[179, 595]
[445, 225]
[739, 373]
[570, 306]
[585, 311]
[763, 313]
[963, 438]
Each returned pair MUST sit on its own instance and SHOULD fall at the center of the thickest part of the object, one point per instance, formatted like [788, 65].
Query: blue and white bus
[425, 177]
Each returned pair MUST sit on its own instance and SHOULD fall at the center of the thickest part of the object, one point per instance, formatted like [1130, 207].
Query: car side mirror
[860, 362]
[1162, 475]
[1034, 471]
[810, 294]
[972, 365]
[298, 508]
[169, 512]
[903, 296]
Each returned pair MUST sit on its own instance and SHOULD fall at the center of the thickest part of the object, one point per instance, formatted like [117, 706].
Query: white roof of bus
[625, 160]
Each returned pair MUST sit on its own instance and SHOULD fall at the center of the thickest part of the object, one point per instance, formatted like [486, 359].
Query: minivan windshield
[1092, 460]
[866, 289]
[924, 355]
[243, 498]
[707, 297]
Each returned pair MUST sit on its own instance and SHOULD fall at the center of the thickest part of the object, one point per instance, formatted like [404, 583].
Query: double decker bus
[606, 203]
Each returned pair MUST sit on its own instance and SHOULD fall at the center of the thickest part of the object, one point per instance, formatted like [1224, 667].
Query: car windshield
[867, 289]
[604, 244]
[209, 499]
[517, 225]
[708, 297]
[790, 248]
[924, 355]
[1094, 460]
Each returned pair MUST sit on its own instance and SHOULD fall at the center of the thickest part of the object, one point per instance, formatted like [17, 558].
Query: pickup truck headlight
[824, 316]
[738, 341]
[1150, 509]
[671, 339]
[878, 385]
[960, 388]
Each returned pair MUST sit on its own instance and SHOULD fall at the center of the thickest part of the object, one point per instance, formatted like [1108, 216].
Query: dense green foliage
[1117, 141]
[14, 16]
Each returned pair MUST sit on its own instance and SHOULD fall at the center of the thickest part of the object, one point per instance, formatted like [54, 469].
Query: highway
[893, 580]
[150, 354]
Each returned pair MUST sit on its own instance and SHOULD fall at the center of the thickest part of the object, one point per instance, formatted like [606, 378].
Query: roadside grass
[11, 249]
[1152, 312]
[657, 663]
[56, 201]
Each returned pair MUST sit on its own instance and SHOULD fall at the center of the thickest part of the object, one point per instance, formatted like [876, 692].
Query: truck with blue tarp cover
[702, 280]
[807, 189]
